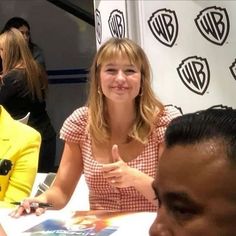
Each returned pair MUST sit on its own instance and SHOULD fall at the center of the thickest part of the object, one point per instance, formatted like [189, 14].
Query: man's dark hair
[15, 22]
[212, 123]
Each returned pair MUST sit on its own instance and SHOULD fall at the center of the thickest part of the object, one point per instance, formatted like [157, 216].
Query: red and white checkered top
[103, 196]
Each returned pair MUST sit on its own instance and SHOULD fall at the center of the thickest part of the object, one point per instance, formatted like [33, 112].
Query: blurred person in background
[23, 26]
[22, 90]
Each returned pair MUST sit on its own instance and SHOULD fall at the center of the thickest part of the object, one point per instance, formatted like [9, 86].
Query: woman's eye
[125, 72]
[130, 71]
[110, 70]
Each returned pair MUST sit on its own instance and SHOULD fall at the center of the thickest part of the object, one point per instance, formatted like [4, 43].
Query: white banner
[190, 45]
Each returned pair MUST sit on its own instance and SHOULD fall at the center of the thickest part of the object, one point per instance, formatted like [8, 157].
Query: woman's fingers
[27, 206]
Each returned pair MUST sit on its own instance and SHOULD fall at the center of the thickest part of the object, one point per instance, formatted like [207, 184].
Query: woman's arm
[67, 177]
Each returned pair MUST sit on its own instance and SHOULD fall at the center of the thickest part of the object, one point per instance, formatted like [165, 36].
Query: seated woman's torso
[104, 196]
[142, 157]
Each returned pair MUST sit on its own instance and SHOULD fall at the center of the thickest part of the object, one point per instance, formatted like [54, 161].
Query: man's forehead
[204, 152]
[195, 165]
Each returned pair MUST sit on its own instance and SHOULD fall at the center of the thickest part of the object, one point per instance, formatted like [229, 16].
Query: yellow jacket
[21, 144]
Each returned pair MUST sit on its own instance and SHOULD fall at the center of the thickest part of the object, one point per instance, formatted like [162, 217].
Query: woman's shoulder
[77, 120]
[14, 76]
[80, 114]
[74, 127]
[164, 118]
[14, 72]
[169, 113]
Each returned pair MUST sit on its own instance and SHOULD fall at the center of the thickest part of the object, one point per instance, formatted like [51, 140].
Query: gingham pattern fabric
[103, 196]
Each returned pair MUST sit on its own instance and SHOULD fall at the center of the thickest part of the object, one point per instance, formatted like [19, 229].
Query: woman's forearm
[54, 196]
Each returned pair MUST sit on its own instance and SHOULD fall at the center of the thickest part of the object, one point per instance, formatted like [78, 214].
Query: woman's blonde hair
[16, 54]
[147, 105]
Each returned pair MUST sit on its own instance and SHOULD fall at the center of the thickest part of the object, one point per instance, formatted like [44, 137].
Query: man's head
[196, 180]
[21, 24]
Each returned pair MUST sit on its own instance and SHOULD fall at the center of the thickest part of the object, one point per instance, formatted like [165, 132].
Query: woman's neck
[121, 113]
[121, 119]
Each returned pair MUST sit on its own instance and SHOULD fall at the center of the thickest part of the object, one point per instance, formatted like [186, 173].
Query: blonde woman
[22, 90]
[116, 139]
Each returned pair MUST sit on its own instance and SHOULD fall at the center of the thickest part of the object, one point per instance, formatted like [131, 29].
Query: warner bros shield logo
[98, 26]
[116, 24]
[195, 74]
[213, 23]
[163, 24]
[233, 69]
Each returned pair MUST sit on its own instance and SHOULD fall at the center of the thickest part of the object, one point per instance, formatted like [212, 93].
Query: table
[136, 223]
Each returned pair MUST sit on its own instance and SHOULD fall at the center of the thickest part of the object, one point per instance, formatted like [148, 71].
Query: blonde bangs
[110, 52]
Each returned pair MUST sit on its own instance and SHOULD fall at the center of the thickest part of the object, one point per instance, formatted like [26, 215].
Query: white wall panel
[173, 37]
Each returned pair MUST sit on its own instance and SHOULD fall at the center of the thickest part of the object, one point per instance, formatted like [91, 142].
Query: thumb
[115, 153]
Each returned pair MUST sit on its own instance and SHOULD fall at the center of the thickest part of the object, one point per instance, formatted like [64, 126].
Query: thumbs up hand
[115, 154]
[118, 173]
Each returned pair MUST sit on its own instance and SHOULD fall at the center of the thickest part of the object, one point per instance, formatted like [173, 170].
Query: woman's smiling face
[195, 186]
[120, 79]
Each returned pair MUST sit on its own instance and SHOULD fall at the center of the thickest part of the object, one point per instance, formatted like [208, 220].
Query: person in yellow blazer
[20, 144]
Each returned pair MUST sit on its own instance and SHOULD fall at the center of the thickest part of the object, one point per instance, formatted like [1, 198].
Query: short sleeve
[74, 128]
[168, 114]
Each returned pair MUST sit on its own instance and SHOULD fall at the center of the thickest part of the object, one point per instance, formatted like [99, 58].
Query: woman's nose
[120, 75]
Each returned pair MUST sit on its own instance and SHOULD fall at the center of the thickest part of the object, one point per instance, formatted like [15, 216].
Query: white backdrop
[191, 46]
